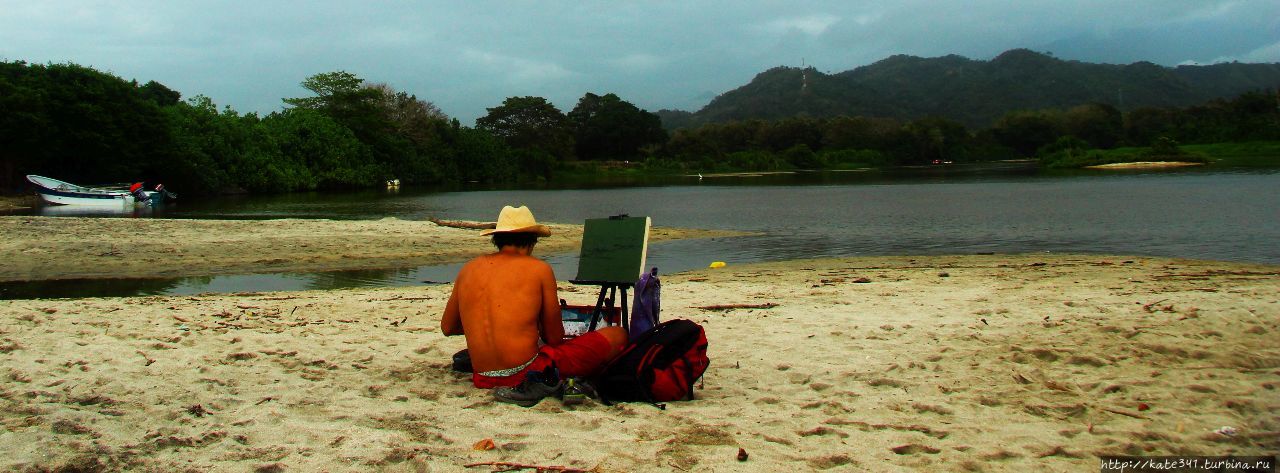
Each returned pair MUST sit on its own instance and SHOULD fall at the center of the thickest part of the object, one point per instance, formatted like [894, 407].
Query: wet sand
[953, 363]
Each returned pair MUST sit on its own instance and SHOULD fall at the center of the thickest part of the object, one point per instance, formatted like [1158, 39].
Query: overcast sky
[467, 56]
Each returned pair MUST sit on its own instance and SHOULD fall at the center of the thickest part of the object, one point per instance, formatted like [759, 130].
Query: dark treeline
[77, 124]
[844, 142]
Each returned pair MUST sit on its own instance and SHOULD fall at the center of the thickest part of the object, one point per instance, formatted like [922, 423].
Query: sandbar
[44, 248]
[1145, 165]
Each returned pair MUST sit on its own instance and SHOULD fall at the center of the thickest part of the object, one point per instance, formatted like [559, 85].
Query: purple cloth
[646, 305]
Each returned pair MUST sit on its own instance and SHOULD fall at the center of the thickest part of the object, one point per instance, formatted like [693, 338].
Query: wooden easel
[608, 299]
[613, 254]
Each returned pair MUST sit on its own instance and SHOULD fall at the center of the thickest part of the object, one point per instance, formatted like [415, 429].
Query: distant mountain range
[972, 92]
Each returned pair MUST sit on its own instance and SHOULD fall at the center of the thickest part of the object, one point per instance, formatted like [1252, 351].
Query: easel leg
[623, 319]
[609, 298]
[598, 313]
[612, 301]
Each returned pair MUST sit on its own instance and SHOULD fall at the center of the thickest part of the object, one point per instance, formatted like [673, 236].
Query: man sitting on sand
[507, 306]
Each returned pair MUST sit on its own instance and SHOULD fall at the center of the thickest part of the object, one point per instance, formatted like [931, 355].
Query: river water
[1221, 215]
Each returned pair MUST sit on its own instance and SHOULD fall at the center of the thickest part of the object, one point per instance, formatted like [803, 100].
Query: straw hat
[517, 220]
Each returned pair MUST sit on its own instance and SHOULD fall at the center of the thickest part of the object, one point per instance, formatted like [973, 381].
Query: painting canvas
[613, 250]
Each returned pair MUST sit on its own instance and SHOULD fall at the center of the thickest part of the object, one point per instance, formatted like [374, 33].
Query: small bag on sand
[462, 361]
[646, 305]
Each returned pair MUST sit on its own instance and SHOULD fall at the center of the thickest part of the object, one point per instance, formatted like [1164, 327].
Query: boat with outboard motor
[58, 192]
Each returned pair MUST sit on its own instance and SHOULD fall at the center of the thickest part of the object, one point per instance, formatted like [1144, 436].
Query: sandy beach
[945, 363]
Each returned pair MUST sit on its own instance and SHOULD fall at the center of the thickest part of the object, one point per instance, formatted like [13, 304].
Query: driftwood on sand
[511, 466]
[463, 224]
[767, 305]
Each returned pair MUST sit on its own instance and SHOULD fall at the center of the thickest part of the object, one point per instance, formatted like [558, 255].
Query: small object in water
[1142, 406]
[1226, 430]
[742, 454]
[486, 444]
[717, 264]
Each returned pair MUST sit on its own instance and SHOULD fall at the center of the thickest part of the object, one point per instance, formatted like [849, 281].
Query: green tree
[734, 136]
[860, 133]
[207, 146]
[343, 97]
[334, 91]
[330, 154]
[158, 93]
[77, 124]
[530, 123]
[1027, 131]
[938, 139]
[24, 123]
[396, 127]
[1144, 125]
[1164, 148]
[608, 127]
[1067, 151]
[414, 136]
[479, 156]
[788, 133]
[802, 157]
[691, 145]
[418, 120]
[1099, 124]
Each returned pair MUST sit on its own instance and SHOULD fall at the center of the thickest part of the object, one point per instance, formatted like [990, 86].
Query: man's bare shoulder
[505, 262]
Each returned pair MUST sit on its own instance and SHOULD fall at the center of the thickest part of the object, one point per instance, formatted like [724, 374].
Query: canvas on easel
[613, 250]
[612, 257]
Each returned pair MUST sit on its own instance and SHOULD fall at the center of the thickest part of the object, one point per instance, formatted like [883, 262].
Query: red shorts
[579, 356]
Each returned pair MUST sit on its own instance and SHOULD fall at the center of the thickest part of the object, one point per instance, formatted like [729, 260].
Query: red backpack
[660, 365]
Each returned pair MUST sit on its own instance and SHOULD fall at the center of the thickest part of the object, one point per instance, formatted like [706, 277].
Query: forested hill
[975, 93]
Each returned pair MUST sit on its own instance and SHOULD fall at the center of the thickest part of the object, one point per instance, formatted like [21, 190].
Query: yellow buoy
[717, 264]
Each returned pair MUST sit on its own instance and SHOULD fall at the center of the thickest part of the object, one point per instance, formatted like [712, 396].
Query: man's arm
[451, 322]
[549, 316]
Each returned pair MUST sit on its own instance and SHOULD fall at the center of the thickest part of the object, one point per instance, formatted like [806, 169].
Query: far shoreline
[1145, 165]
[17, 202]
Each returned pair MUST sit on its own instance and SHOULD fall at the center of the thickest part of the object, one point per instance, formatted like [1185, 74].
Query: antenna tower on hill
[804, 76]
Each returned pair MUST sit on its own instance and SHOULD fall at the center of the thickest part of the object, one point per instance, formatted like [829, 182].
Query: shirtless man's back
[507, 306]
[510, 303]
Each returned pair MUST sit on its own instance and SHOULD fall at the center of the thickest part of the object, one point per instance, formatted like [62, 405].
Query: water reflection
[668, 256]
[122, 210]
[87, 288]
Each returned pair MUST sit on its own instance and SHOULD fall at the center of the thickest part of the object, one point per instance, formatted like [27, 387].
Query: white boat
[58, 192]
